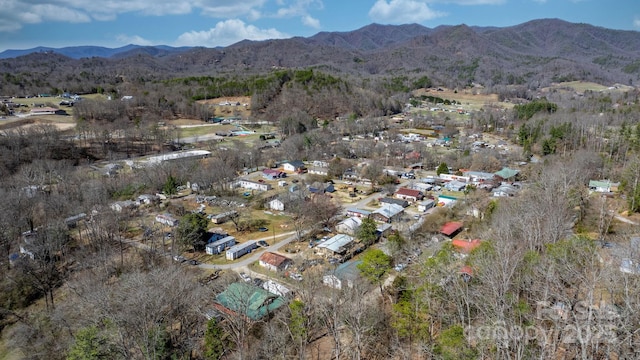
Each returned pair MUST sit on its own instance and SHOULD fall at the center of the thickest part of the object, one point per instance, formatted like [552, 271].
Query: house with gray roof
[387, 213]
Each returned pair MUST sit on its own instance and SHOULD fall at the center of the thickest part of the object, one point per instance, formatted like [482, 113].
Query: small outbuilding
[450, 229]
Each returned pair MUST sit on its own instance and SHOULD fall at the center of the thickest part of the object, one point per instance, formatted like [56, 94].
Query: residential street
[248, 259]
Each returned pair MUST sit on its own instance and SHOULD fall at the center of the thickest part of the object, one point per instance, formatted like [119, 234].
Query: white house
[294, 166]
[220, 245]
[274, 261]
[252, 185]
[276, 204]
[275, 288]
[426, 205]
[335, 282]
[602, 186]
[166, 219]
[322, 171]
[122, 205]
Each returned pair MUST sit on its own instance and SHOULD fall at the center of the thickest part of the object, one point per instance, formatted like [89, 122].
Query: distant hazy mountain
[78, 52]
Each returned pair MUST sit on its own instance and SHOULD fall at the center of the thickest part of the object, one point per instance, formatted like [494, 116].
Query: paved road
[248, 259]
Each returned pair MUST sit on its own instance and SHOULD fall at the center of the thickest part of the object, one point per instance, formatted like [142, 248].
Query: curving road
[248, 259]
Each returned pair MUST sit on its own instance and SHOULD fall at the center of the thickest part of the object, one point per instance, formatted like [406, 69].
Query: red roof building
[464, 245]
[451, 228]
[408, 194]
[273, 261]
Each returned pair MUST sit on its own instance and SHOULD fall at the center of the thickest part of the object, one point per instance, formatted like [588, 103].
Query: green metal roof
[250, 300]
[507, 173]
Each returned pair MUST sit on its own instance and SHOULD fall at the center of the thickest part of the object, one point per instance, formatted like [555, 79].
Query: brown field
[472, 99]
[63, 123]
[582, 86]
[229, 110]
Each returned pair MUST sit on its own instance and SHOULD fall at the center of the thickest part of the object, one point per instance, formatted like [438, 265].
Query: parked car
[245, 277]
[296, 276]
[257, 282]
[194, 262]
[263, 243]
[263, 229]
[179, 258]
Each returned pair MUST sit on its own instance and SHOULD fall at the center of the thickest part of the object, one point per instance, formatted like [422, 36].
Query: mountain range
[534, 52]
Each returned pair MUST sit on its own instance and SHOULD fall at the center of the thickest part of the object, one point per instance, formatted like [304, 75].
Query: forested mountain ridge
[532, 54]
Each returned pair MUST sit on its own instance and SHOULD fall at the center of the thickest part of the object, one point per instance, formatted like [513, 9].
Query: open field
[471, 99]
[229, 110]
[582, 86]
[63, 123]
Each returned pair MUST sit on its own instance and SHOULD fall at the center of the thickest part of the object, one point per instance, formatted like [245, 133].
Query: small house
[276, 288]
[395, 201]
[240, 250]
[507, 174]
[603, 186]
[322, 171]
[345, 274]
[426, 205]
[218, 246]
[248, 300]
[505, 190]
[455, 185]
[295, 166]
[252, 185]
[337, 245]
[120, 206]
[349, 225]
[358, 212]
[272, 174]
[276, 204]
[166, 219]
[387, 213]
[273, 261]
[146, 199]
[408, 194]
[223, 217]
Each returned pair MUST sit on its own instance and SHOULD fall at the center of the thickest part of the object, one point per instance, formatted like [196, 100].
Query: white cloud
[16, 13]
[226, 33]
[309, 21]
[134, 39]
[402, 12]
[299, 8]
[230, 8]
[636, 22]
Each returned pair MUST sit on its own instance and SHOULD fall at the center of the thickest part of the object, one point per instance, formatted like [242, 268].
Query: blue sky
[113, 23]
